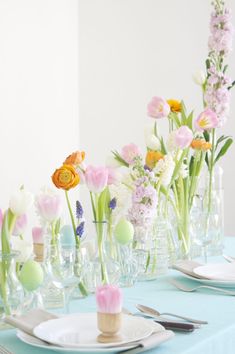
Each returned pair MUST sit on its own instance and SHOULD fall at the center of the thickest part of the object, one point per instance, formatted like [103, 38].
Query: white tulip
[152, 142]
[24, 247]
[20, 202]
[199, 77]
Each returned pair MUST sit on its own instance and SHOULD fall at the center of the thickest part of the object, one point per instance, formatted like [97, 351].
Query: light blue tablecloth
[218, 337]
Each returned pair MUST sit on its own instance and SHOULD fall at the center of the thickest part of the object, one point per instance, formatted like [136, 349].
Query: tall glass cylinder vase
[11, 291]
[103, 269]
[151, 250]
[207, 217]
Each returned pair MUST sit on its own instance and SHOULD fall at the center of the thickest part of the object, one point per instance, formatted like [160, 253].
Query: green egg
[124, 231]
[31, 275]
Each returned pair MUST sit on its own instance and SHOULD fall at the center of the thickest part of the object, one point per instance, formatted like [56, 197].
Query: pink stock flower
[1, 218]
[158, 108]
[108, 299]
[206, 120]
[183, 137]
[49, 206]
[96, 178]
[130, 152]
[37, 234]
[20, 225]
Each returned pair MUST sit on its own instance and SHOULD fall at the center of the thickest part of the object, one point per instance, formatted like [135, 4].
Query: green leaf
[190, 120]
[174, 117]
[107, 210]
[225, 68]
[183, 114]
[208, 64]
[118, 157]
[102, 204]
[163, 148]
[206, 135]
[191, 165]
[221, 138]
[57, 226]
[207, 159]
[224, 149]
[5, 234]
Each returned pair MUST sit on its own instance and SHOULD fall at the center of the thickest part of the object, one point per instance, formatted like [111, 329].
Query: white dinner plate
[35, 342]
[217, 271]
[80, 331]
[217, 283]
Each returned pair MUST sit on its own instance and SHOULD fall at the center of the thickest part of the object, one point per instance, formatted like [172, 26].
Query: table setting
[150, 270]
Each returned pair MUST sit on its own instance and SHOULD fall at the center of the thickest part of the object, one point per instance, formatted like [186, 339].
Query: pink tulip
[49, 206]
[96, 178]
[109, 299]
[1, 218]
[37, 234]
[130, 152]
[206, 120]
[158, 108]
[183, 137]
[20, 225]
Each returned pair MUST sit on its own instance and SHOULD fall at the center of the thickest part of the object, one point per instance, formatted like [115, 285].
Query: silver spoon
[153, 312]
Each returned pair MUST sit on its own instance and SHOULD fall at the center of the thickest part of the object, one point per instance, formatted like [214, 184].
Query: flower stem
[72, 218]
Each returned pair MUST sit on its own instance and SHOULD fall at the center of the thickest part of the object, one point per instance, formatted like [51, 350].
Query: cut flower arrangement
[139, 200]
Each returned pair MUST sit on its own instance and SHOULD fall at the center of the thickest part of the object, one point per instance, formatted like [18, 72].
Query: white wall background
[131, 50]
[38, 90]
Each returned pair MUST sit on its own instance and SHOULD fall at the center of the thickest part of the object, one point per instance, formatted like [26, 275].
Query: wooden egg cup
[109, 324]
[38, 249]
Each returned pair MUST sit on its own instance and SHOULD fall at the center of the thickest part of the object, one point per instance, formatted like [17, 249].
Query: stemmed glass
[62, 267]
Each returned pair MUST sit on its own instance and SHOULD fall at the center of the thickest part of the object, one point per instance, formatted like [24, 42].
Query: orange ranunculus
[152, 157]
[201, 144]
[65, 177]
[75, 158]
[174, 105]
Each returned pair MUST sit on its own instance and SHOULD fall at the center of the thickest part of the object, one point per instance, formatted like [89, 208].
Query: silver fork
[4, 350]
[182, 287]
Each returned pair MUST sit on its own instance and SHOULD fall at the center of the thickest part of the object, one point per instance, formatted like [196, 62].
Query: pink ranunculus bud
[1, 219]
[20, 225]
[158, 108]
[109, 299]
[183, 137]
[37, 234]
[96, 178]
[130, 152]
[49, 206]
[206, 120]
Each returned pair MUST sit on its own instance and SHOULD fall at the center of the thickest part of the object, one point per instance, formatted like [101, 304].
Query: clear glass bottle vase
[11, 291]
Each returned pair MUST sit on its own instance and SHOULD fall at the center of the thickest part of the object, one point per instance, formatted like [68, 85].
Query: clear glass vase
[55, 255]
[207, 217]
[11, 291]
[151, 250]
[128, 265]
[103, 269]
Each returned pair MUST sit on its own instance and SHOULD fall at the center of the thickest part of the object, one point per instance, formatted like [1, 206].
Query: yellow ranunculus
[174, 105]
[152, 157]
[65, 177]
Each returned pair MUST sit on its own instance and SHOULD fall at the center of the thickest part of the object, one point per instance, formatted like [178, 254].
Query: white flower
[123, 196]
[20, 202]
[165, 168]
[199, 77]
[24, 247]
[151, 141]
